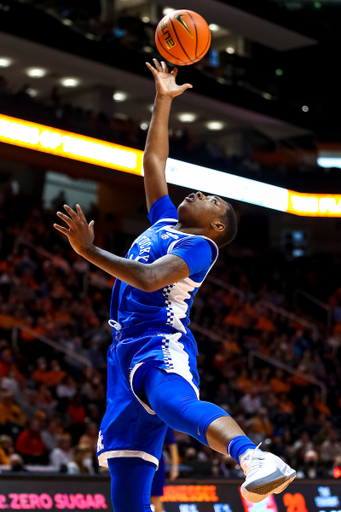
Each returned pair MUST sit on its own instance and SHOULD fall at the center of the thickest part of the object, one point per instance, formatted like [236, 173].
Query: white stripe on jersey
[177, 358]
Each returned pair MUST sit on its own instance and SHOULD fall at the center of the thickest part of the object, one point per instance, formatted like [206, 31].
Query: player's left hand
[174, 473]
[80, 234]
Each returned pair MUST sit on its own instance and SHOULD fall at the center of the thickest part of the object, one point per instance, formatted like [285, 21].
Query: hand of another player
[173, 475]
[80, 234]
[165, 82]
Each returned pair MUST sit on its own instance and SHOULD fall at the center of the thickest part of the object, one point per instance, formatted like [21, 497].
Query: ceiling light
[187, 117]
[120, 96]
[147, 49]
[213, 27]
[267, 96]
[167, 10]
[230, 50]
[5, 62]
[32, 92]
[215, 125]
[90, 36]
[151, 108]
[36, 72]
[144, 125]
[67, 22]
[69, 82]
[146, 19]
[305, 108]
[279, 72]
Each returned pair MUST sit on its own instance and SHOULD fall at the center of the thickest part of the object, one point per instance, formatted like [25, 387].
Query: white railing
[265, 303]
[54, 344]
[270, 360]
[323, 305]
[287, 368]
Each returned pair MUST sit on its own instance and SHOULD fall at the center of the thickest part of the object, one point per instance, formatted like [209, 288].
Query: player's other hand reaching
[80, 234]
[165, 81]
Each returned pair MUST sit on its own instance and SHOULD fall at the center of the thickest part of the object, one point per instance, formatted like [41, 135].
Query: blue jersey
[169, 305]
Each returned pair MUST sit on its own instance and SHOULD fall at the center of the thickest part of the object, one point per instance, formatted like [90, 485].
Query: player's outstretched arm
[157, 144]
[166, 270]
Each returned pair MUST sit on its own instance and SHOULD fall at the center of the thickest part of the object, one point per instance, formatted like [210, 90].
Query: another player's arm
[167, 270]
[174, 452]
[157, 143]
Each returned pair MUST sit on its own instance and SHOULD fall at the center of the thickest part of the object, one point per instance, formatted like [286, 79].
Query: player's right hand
[165, 82]
[80, 234]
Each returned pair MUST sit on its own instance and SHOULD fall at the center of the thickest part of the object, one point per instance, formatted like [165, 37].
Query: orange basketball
[183, 37]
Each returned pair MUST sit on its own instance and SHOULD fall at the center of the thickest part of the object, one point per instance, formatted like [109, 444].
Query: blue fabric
[238, 445]
[131, 482]
[163, 208]
[126, 424]
[197, 253]
[170, 436]
[170, 305]
[181, 410]
[159, 479]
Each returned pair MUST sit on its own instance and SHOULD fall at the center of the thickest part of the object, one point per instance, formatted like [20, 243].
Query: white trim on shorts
[115, 454]
[176, 361]
[131, 377]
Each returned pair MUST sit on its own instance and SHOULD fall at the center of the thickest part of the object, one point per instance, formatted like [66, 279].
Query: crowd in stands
[51, 402]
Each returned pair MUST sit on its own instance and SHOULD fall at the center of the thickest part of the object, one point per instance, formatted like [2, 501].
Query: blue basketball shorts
[130, 428]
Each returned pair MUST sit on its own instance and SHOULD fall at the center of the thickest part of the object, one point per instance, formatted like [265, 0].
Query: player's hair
[230, 231]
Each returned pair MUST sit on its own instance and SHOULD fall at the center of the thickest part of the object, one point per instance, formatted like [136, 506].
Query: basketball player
[153, 380]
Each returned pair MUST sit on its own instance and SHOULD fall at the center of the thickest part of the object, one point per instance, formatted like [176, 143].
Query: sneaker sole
[262, 488]
[290, 478]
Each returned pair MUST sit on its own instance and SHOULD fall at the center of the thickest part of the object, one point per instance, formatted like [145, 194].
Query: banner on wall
[56, 142]
[75, 493]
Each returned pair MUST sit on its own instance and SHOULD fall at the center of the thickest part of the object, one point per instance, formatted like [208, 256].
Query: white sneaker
[265, 473]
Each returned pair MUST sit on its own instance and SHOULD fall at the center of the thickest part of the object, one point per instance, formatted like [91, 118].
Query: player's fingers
[174, 72]
[164, 66]
[186, 86]
[157, 65]
[66, 219]
[81, 214]
[72, 213]
[61, 229]
[150, 67]
[92, 227]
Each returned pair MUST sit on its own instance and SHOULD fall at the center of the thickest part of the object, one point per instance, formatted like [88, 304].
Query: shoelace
[258, 463]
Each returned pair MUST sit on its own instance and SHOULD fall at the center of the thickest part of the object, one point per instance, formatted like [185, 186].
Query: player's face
[198, 210]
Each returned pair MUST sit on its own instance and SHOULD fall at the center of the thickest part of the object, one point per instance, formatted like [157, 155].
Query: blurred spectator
[63, 453]
[30, 444]
[330, 448]
[50, 435]
[10, 412]
[16, 463]
[6, 449]
[81, 462]
[251, 402]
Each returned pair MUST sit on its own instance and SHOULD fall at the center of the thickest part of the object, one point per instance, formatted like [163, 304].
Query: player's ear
[218, 226]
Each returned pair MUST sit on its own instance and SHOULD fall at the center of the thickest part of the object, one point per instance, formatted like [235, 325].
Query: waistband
[136, 331]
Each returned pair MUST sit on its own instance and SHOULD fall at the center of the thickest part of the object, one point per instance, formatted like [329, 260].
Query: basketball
[183, 37]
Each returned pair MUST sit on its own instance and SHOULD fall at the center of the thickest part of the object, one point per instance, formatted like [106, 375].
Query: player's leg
[174, 400]
[159, 482]
[131, 483]
[157, 504]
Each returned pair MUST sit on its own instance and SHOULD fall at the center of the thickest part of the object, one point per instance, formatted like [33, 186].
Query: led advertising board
[93, 493]
[38, 137]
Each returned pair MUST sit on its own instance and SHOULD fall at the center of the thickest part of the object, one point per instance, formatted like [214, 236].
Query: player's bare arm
[157, 144]
[146, 277]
